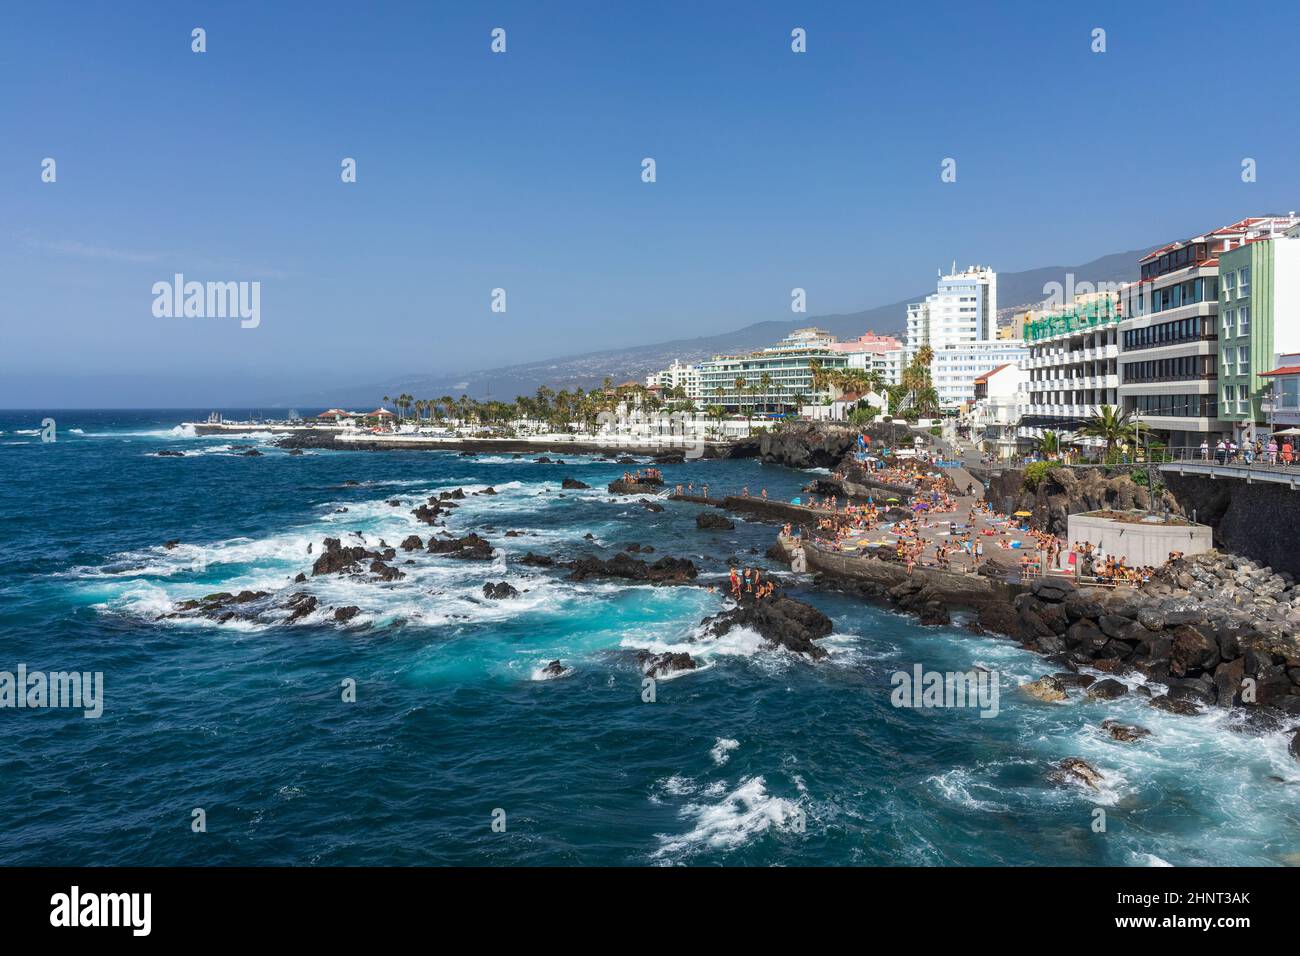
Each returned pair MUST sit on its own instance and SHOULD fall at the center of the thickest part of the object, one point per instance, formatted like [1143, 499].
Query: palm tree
[1048, 444]
[765, 380]
[821, 376]
[1110, 425]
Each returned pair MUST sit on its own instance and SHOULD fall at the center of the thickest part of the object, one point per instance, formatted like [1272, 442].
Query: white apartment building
[963, 309]
[678, 375]
[787, 366]
[888, 365]
[956, 367]
[882, 354]
[994, 419]
[1072, 364]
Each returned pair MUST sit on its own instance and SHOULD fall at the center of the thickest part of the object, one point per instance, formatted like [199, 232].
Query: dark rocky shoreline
[521, 446]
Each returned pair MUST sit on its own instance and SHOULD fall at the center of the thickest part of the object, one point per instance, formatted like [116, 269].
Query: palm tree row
[557, 409]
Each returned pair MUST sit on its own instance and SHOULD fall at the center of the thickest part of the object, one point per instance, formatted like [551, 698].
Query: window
[1243, 359]
[1229, 284]
[1227, 321]
[1243, 320]
[1229, 393]
[1290, 392]
[1243, 281]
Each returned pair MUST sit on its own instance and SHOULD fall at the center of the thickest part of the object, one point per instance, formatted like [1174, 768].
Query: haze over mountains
[590, 368]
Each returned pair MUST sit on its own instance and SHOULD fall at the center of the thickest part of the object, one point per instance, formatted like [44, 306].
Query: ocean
[456, 750]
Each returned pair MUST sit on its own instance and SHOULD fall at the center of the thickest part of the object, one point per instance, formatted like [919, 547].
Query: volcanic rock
[661, 665]
[712, 521]
[780, 620]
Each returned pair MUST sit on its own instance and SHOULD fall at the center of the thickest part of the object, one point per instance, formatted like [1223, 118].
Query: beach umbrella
[1288, 431]
[1024, 514]
[891, 499]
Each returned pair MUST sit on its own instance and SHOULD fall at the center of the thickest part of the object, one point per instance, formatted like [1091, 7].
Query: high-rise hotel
[959, 323]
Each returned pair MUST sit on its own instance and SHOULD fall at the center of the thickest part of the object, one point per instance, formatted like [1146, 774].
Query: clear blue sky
[522, 170]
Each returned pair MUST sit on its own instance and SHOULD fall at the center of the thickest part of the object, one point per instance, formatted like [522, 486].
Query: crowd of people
[1096, 563]
[933, 529]
[749, 582]
[651, 475]
[1228, 452]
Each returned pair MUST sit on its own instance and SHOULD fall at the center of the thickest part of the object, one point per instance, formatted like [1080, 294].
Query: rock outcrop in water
[712, 521]
[221, 606]
[499, 591]
[780, 620]
[1047, 689]
[336, 559]
[662, 665]
[555, 669]
[1078, 772]
[666, 570]
[642, 487]
[1125, 733]
[428, 513]
[469, 548]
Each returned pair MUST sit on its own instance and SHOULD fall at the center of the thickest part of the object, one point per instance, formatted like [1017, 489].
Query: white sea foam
[743, 814]
[721, 751]
[177, 431]
[956, 785]
[1146, 859]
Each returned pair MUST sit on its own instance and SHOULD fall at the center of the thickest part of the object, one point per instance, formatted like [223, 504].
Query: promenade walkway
[1250, 473]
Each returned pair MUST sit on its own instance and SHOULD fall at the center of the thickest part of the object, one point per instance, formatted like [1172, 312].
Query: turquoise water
[756, 758]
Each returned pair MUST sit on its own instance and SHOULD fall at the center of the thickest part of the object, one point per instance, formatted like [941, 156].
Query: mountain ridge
[588, 369]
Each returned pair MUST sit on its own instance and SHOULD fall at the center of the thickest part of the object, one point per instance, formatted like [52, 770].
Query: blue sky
[522, 171]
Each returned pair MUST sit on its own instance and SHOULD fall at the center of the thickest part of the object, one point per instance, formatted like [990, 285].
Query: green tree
[1110, 425]
[1048, 444]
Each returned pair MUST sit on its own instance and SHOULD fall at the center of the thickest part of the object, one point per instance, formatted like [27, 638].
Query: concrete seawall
[952, 588]
[1257, 520]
